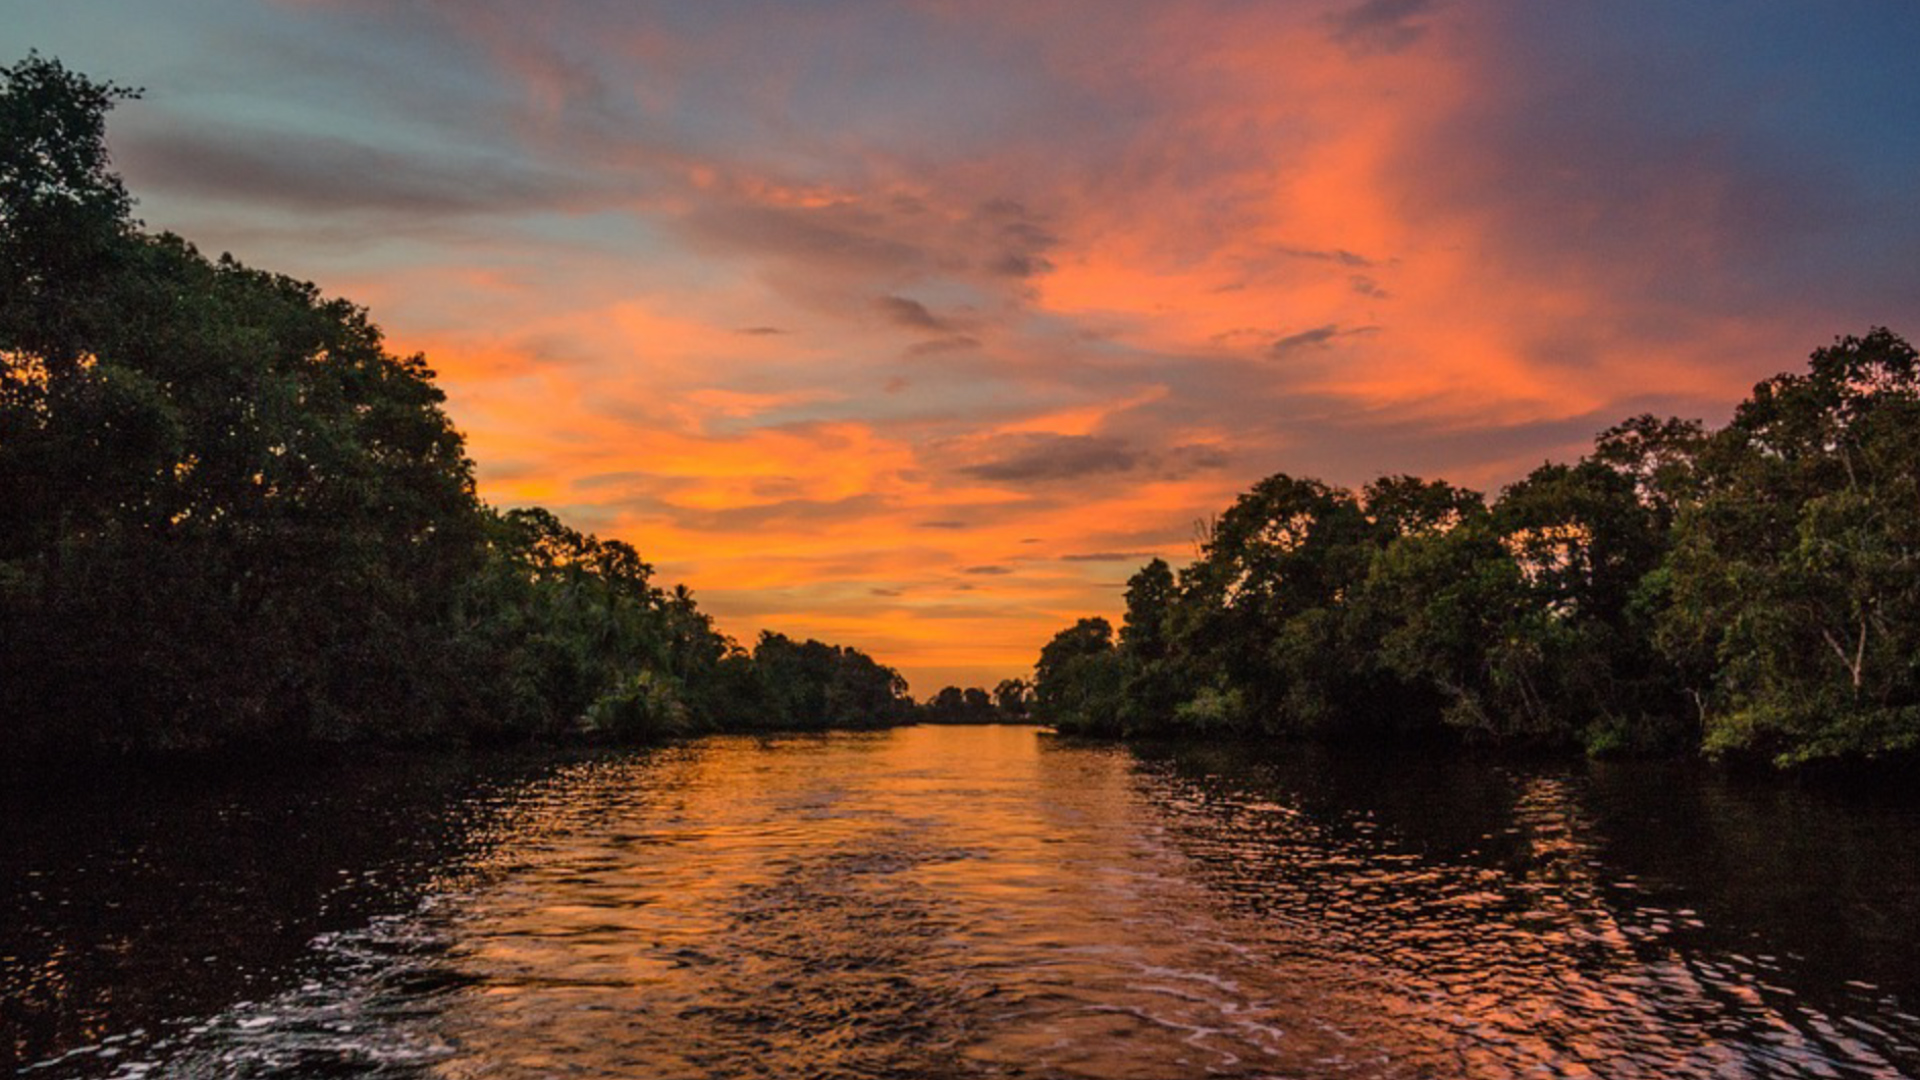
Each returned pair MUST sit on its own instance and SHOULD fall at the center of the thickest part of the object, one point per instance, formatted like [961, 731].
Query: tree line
[1752, 591]
[1009, 703]
[230, 516]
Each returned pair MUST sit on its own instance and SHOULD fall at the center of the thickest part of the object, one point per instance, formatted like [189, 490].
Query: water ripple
[985, 903]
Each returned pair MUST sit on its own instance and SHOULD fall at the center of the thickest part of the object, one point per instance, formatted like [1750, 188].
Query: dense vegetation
[1009, 703]
[231, 516]
[1753, 590]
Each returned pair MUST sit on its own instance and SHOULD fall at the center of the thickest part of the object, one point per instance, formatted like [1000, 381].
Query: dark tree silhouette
[231, 516]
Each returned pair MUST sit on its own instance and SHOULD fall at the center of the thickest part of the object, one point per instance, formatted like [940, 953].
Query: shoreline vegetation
[1750, 593]
[236, 523]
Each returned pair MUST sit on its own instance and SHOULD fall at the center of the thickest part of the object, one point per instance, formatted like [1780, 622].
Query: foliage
[953, 705]
[1795, 580]
[233, 516]
[1751, 590]
[811, 685]
[1077, 683]
[1013, 698]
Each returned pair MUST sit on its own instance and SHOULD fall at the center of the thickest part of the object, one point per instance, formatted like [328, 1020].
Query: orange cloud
[863, 322]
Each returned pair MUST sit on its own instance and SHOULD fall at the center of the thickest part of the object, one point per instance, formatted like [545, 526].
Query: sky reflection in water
[987, 901]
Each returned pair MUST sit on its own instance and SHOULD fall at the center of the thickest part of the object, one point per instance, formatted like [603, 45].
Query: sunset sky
[918, 326]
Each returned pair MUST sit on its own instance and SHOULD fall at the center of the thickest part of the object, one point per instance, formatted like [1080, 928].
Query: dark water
[959, 902]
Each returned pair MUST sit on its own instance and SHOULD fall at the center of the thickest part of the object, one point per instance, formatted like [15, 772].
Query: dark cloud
[505, 469]
[1049, 459]
[1380, 26]
[785, 513]
[885, 592]
[776, 487]
[842, 237]
[1058, 457]
[1191, 458]
[824, 252]
[626, 480]
[911, 314]
[320, 175]
[1306, 339]
[1317, 338]
[1106, 556]
[1020, 266]
[942, 525]
[831, 255]
[956, 343]
[1021, 238]
[987, 571]
[760, 331]
[1333, 255]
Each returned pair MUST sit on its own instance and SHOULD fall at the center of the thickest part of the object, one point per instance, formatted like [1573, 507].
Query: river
[957, 902]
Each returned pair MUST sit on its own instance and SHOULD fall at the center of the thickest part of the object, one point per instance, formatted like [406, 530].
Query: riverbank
[1889, 776]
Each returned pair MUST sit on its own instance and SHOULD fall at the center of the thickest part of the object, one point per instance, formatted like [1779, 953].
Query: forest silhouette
[233, 517]
[1750, 591]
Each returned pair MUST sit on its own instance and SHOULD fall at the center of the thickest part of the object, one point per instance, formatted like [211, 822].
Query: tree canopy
[233, 516]
[1753, 590]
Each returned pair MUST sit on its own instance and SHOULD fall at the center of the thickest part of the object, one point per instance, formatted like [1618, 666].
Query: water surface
[956, 902]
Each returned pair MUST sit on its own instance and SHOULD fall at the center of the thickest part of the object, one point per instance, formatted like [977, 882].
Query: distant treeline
[1010, 703]
[1753, 590]
[228, 516]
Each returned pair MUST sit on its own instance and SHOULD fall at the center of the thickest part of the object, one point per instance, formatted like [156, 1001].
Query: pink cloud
[1069, 273]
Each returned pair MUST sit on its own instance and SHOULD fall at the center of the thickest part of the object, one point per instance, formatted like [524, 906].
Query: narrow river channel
[961, 902]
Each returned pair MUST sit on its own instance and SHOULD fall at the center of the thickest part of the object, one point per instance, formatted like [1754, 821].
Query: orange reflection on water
[947, 902]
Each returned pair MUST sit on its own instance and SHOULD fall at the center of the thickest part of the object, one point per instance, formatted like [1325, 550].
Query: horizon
[922, 334]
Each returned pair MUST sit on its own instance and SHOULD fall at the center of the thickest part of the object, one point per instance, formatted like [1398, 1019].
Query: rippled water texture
[993, 902]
